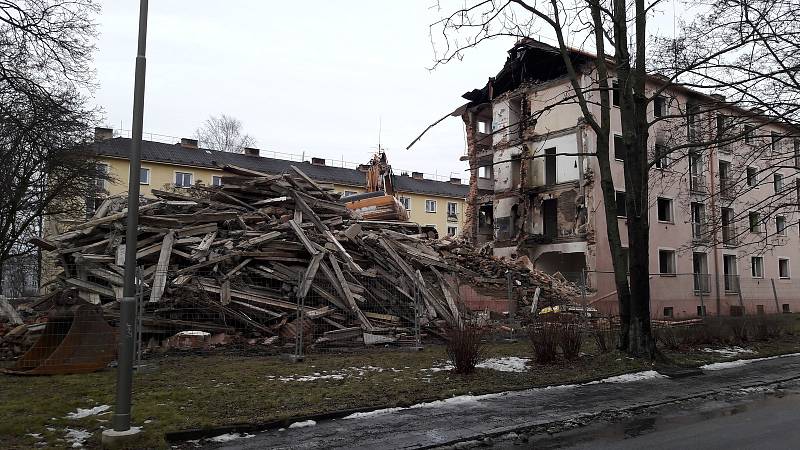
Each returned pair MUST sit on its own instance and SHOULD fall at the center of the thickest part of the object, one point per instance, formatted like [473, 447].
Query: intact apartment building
[183, 164]
[723, 218]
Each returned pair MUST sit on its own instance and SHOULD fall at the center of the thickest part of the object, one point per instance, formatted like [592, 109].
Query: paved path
[464, 418]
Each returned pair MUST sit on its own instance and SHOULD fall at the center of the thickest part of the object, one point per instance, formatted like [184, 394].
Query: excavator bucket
[76, 339]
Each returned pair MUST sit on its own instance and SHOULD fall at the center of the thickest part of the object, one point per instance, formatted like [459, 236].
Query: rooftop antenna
[380, 127]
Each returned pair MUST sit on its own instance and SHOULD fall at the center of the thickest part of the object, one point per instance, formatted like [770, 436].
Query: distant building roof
[199, 157]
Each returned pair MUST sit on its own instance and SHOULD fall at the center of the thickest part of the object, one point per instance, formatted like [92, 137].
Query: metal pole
[775, 295]
[122, 409]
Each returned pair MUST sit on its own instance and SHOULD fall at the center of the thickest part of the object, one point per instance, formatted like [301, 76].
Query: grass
[192, 391]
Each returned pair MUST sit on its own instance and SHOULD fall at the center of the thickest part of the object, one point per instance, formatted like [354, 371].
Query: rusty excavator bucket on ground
[76, 339]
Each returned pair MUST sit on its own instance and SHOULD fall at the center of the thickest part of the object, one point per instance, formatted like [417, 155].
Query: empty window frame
[430, 206]
[777, 182]
[783, 268]
[666, 262]
[665, 210]
[752, 177]
[622, 211]
[757, 266]
[668, 311]
[619, 148]
[749, 134]
[183, 179]
[730, 273]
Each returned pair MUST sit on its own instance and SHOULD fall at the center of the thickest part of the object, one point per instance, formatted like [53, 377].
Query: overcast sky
[313, 77]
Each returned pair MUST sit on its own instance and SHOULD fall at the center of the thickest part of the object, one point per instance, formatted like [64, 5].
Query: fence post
[775, 295]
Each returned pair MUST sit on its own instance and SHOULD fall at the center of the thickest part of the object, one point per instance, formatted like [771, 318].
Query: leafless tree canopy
[224, 133]
[45, 74]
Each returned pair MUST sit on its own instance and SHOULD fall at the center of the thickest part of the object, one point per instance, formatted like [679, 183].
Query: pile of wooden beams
[263, 255]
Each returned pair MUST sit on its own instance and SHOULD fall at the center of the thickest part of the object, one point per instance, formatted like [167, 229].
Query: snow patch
[507, 364]
[629, 377]
[227, 437]
[303, 424]
[742, 362]
[81, 413]
[77, 437]
[193, 333]
[35, 435]
[334, 374]
[728, 351]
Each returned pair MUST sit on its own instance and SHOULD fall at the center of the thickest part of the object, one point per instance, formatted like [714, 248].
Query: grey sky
[303, 76]
[311, 76]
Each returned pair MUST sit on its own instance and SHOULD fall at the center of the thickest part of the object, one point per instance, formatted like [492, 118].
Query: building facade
[183, 164]
[724, 234]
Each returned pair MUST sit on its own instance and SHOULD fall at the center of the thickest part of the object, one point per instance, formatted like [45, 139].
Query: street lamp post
[122, 410]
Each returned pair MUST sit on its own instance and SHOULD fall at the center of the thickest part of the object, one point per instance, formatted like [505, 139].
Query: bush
[570, 338]
[740, 330]
[606, 340]
[464, 348]
[672, 338]
[544, 342]
[768, 327]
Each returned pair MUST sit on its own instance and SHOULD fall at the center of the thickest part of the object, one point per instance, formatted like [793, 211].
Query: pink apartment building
[724, 231]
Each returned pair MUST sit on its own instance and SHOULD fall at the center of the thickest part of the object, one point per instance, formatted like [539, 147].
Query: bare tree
[47, 167]
[745, 48]
[224, 133]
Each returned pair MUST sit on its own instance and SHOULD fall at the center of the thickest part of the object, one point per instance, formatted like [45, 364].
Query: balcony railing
[731, 282]
[702, 282]
[729, 235]
[697, 183]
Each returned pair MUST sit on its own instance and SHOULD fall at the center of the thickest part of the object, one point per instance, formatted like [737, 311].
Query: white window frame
[671, 218]
[175, 178]
[147, 177]
[753, 272]
[405, 200]
[455, 208]
[674, 262]
[214, 179]
[454, 228]
[788, 268]
[428, 203]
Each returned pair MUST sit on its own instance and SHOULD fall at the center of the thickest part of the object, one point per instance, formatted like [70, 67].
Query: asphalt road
[575, 407]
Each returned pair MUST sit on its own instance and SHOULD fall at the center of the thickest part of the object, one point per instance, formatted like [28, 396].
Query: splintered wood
[251, 255]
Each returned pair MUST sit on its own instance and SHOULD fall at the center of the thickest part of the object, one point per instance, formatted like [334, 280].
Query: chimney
[102, 134]
[416, 175]
[318, 161]
[404, 174]
[719, 97]
[455, 180]
[250, 151]
[188, 143]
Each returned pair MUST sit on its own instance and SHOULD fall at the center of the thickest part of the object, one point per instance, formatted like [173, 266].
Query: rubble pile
[265, 254]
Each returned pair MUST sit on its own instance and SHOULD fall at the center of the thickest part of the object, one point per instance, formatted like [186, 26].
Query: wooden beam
[160, 279]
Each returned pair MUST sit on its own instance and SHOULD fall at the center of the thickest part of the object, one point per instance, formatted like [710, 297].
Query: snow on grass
[303, 424]
[340, 374]
[507, 364]
[81, 413]
[227, 437]
[728, 351]
[77, 437]
[742, 362]
[630, 377]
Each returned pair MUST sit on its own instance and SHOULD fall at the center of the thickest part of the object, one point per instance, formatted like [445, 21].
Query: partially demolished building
[535, 192]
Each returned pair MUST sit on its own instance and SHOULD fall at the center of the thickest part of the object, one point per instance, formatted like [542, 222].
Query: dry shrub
[464, 348]
[672, 338]
[570, 340]
[544, 342]
[740, 330]
[606, 340]
[768, 327]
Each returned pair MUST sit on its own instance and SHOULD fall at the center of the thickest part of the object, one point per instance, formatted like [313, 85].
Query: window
[701, 310]
[783, 268]
[698, 219]
[144, 175]
[406, 202]
[668, 311]
[615, 93]
[725, 180]
[728, 227]
[777, 182]
[692, 120]
[621, 209]
[776, 138]
[780, 225]
[102, 173]
[483, 127]
[664, 210]
[183, 179]
[659, 104]
[749, 134]
[216, 180]
[349, 193]
[666, 262]
[452, 208]
[757, 267]
[661, 156]
[755, 222]
[430, 206]
[722, 126]
[785, 308]
[752, 176]
[452, 231]
[730, 273]
[696, 175]
[700, 272]
[619, 148]
[797, 153]
[485, 172]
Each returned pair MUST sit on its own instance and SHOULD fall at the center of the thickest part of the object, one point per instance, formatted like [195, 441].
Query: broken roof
[198, 157]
